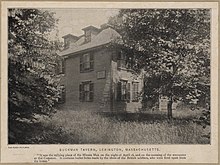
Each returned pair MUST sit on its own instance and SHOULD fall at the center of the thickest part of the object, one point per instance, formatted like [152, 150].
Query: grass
[84, 127]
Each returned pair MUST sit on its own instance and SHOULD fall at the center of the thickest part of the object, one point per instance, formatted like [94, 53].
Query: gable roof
[91, 28]
[104, 37]
[70, 35]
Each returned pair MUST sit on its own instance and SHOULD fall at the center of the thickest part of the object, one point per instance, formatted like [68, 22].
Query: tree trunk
[169, 107]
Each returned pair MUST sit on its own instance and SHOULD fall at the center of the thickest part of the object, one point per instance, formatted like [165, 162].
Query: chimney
[90, 31]
[105, 26]
[69, 38]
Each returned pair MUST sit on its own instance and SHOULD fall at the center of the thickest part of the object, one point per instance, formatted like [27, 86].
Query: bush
[29, 92]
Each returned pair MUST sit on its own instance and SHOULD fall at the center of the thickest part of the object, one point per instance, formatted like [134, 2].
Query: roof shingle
[104, 37]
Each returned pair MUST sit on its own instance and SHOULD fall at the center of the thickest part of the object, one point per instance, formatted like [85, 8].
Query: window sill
[125, 69]
[86, 71]
[128, 101]
[86, 101]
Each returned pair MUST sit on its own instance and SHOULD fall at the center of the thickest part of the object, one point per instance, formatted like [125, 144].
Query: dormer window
[89, 32]
[68, 39]
[87, 36]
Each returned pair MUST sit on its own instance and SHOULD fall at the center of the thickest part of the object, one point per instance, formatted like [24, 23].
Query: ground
[84, 127]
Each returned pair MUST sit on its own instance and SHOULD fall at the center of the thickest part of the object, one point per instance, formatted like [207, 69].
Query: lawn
[84, 127]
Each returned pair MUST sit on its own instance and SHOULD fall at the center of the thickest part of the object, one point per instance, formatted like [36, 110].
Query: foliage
[29, 92]
[151, 93]
[32, 83]
[173, 44]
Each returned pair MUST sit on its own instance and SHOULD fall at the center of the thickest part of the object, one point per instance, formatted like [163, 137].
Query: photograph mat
[195, 153]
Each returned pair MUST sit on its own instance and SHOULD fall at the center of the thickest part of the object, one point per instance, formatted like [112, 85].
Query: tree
[33, 85]
[173, 44]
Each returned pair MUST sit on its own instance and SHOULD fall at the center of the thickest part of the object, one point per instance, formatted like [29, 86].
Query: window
[123, 91]
[135, 91]
[86, 91]
[86, 62]
[101, 74]
[121, 60]
[66, 43]
[62, 97]
[61, 66]
[87, 36]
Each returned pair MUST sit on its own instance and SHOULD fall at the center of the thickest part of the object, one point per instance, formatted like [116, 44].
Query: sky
[72, 21]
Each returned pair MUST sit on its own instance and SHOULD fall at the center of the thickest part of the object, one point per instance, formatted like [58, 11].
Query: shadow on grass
[106, 128]
[140, 117]
[21, 132]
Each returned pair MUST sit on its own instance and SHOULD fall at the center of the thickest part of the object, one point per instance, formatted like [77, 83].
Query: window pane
[123, 90]
[86, 87]
[91, 86]
[87, 58]
[86, 91]
[87, 62]
[87, 97]
[91, 56]
[87, 65]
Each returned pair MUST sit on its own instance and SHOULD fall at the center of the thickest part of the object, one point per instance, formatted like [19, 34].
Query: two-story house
[96, 74]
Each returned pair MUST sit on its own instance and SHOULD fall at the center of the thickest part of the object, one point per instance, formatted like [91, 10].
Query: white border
[196, 153]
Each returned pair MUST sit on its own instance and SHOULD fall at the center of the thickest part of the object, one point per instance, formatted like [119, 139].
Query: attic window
[87, 36]
[61, 66]
[68, 39]
[66, 43]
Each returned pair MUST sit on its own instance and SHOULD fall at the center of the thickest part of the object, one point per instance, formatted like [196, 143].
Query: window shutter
[134, 92]
[63, 66]
[91, 90]
[81, 67]
[119, 91]
[81, 63]
[80, 92]
[128, 91]
[91, 61]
